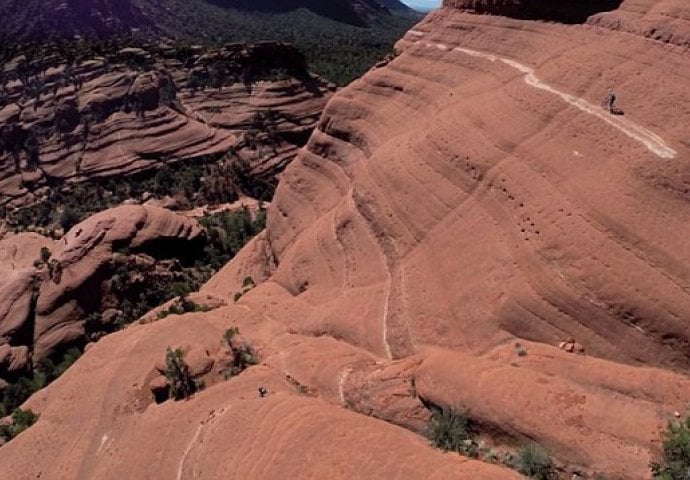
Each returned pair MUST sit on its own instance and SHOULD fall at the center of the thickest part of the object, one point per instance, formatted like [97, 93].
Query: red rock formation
[39, 312]
[457, 214]
[104, 118]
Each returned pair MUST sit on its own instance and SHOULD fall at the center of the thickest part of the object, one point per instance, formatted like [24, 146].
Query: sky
[423, 4]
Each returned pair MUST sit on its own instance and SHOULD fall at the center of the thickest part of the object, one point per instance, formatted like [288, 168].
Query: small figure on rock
[263, 392]
[609, 103]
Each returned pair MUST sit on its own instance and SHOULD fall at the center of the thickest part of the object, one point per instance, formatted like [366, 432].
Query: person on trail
[610, 101]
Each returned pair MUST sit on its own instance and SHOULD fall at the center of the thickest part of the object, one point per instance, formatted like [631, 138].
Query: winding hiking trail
[650, 140]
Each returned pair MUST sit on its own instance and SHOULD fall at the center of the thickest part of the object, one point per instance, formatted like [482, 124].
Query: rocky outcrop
[45, 302]
[63, 124]
[665, 21]
[460, 216]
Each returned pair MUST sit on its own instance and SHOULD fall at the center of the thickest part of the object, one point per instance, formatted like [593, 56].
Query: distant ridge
[41, 19]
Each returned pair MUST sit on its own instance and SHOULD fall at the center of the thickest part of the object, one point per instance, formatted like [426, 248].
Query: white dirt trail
[341, 384]
[388, 285]
[649, 139]
[212, 418]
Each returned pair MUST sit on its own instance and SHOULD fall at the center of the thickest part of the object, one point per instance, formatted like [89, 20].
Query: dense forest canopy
[340, 38]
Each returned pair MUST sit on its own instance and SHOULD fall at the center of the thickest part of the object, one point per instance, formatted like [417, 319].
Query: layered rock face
[466, 227]
[66, 124]
[666, 20]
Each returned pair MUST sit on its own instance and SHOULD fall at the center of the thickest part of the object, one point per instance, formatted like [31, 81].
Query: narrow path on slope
[389, 282]
[211, 419]
[650, 140]
[341, 384]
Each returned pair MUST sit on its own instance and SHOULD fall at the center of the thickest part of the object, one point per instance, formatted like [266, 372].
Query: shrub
[535, 462]
[450, 429]
[243, 356]
[675, 460]
[55, 271]
[229, 334]
[520, 349]
[52, 368]
[45, 254]
[181, 383]
[21, 420]
[490, 456]
[68, 218]
[184, 305]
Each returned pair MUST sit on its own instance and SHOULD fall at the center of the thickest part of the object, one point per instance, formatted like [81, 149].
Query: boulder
[571, 346]
[199, 361]
[146, 90]
[159, 388]
[110, 316]
[158, 384]
[14, 359]
[16, 301]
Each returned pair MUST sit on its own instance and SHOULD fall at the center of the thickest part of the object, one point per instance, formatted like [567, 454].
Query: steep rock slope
[458, 216]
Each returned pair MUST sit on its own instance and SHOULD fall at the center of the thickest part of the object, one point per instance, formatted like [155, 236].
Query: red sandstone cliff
[469, 196]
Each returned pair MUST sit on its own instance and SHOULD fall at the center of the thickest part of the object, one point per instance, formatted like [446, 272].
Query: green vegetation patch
[47, 370]
[21, 420]
[184, 305]
[337, 51]
[243, 355]
[534, 462]
[180, 380]
[451, 430]
[675, 458]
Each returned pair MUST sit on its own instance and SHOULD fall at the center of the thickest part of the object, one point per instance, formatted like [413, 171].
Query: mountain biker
[609, 101]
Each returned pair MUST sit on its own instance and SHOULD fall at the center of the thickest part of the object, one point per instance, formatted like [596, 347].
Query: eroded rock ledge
[566, 11]
[63, 122]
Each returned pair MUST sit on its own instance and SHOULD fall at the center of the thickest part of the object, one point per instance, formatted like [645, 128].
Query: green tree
[45, 254]
[68, 218]
[675, 461]
[243, 355]
[177, 373]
